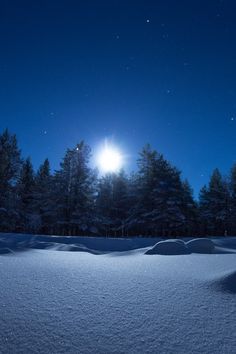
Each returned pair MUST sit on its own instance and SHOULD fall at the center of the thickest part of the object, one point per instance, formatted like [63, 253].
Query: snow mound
[227, 282]
[201, 245]
[169, 247]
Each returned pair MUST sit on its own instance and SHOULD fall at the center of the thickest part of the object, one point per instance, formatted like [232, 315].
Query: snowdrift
[226, 282]
[104, 245]
[169, 247]
[178, 247]
[93, 245]
[201, 245]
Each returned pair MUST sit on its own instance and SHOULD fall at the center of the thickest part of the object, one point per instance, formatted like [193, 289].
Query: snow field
[118, 302]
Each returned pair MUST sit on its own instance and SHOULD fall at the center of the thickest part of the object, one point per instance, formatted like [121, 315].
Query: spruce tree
[190, 210]
[10, 164]
[158, 209]
[104, 202]
[75, 186]
[112, 203]
[43, 197]
[232, 186]
[121, 201]
[214, 202]
[29, 219]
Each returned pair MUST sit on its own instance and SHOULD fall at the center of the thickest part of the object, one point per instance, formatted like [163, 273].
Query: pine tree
[29, 220]
[169, 199]
[190, 210]
[214, 205]
[43, 197]
[112, 203]
[104, 201]
[10, 164]
[232, 186]
[159, 190]
[133, 202]
[75, 186]
[121, 201]
[144, 213]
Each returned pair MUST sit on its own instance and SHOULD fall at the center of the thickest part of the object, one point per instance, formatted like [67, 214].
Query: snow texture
[117, 302]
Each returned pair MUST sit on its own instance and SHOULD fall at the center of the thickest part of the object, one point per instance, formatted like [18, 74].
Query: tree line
[74, 200]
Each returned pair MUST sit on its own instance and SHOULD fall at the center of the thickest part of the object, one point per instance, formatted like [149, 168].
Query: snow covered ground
[120, 301]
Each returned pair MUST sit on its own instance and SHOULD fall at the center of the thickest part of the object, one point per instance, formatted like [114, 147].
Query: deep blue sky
[162, 72]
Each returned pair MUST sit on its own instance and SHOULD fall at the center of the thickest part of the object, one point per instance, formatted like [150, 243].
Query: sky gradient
[162, 72]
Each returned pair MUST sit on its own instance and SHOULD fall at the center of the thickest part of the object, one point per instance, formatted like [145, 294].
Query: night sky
[133, 72]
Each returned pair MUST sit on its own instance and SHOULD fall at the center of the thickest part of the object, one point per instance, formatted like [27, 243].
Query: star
[232, 118]
[148, 21]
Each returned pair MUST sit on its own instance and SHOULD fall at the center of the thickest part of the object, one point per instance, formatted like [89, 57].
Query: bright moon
[110, 159]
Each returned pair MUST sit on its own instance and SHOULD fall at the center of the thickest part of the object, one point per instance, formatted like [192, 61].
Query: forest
[74, 200]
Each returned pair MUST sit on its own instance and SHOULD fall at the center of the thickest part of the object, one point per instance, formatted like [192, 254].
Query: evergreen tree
[75, 186]
[159, 189]
[121, 201]
[112, 203]
[43, 197]
[104, 201]
[133, 198]
[190, 210]
[10, 164]
[232, 186]
[214, 204]
[143, 185]
[29, 220]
